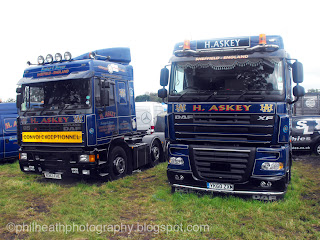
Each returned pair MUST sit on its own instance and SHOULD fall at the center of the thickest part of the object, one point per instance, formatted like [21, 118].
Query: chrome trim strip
[222, 149]
[232, 192]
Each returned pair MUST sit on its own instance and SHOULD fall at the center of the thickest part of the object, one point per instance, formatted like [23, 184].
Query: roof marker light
[92, 55]
[58, 57]
[67, 56]
[186, 45]
[262, 39]
[49, 58]
[40, 60]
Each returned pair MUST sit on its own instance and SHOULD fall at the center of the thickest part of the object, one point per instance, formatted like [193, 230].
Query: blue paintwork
[8, 127]
[98, 128]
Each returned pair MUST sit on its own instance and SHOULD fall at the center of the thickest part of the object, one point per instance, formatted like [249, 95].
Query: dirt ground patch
[308, 159]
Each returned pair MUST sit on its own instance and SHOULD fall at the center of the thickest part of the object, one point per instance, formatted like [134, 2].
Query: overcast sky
[150, 28]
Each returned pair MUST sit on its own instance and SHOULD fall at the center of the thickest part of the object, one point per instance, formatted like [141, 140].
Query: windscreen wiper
[243, 93]
[64, 108]
[251, 97]
[28, 110]
[181, 96]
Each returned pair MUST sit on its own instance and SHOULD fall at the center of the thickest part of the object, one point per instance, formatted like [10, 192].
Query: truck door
[123, 104]
[107, 120]
[10, 137]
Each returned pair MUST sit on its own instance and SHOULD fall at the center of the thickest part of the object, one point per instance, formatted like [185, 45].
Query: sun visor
[73, 75]
[226, 64]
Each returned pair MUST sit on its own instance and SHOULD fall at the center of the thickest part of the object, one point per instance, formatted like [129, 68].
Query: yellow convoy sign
[52, 137]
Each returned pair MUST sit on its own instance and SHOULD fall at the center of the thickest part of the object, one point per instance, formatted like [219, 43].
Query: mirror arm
[294, 101]
[291, 59]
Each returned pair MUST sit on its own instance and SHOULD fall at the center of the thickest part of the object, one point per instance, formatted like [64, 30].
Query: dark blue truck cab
[229, 113]
[8, 126]
[77, 117]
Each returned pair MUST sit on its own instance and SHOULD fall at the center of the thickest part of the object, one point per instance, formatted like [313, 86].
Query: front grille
[224, 128]
[222, 164]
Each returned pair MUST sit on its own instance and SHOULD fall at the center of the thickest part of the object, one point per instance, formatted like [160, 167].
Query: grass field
[141, 206]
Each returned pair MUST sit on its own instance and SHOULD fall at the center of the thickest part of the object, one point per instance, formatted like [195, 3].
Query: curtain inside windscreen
[228, 64]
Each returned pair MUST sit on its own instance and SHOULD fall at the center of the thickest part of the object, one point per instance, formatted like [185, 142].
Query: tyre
[316, 149]
[118, 163]
[156, 153]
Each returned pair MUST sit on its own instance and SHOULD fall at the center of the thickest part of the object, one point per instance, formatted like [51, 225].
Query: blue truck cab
[8, 126]
[77, 117]
[229, 115]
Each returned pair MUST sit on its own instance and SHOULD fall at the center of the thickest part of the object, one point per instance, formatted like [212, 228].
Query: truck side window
[97, 92]
[111, 95]
[104, 88]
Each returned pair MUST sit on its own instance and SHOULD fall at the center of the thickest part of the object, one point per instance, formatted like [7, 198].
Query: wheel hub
[120, 165]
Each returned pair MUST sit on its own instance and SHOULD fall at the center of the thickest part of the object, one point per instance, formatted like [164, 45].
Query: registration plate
[220, 186]
[52, 175]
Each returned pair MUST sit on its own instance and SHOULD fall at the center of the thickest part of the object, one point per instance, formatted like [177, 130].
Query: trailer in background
[8, 126]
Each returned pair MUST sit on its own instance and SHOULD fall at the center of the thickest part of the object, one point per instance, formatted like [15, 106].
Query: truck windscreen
[234, 79]
[57, 96]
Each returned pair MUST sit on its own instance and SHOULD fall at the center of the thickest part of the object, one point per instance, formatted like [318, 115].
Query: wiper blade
[44, 109]
[64, 108]
[181, 96]
[256, 98]
[242, 94]
[24, 114]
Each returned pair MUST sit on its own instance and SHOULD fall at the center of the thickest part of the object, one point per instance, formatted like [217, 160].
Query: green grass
[143, 202]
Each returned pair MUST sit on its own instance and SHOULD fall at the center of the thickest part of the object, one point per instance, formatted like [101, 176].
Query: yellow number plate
[52, 137]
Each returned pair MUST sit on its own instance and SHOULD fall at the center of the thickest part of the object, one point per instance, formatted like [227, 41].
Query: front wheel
[118, 163]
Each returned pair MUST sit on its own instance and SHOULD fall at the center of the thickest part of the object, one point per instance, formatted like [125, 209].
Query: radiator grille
[224, 128]
[223, 164]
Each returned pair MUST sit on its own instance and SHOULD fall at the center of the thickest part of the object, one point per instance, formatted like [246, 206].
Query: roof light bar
[57, 58]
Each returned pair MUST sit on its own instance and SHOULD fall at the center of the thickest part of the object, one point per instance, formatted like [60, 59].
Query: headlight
[176, 161]
[87, 158]
[84, 158]
[272, 166]
[23, 156]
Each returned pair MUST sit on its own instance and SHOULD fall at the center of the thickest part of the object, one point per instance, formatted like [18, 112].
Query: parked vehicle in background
[8, 126]
[308, 105]
[306, 124]
[147, 114]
